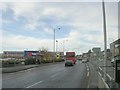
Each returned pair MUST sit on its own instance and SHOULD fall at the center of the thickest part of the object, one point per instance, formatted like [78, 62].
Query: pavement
[17, 68]
[109, 68]
[110, 72]
[22, 67]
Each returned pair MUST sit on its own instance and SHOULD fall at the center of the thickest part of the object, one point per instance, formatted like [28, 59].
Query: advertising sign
[30, 53]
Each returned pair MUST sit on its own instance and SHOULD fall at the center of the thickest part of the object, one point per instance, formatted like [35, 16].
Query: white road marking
[88, 86]
[54, 75]
[21, 71]
[88, 71]
[87, 68]
[29, 69]
[87, 74]
[34, 84]
[26, 70]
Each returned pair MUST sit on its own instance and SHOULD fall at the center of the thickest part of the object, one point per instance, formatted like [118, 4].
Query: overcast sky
[30, 25]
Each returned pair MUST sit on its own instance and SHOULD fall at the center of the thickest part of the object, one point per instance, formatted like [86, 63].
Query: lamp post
[54, 43]
[105, 37]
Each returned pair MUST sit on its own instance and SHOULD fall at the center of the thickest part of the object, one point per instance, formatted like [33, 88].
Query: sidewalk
[24, 67]
[110, 74]
[109, 67]
[17, 68]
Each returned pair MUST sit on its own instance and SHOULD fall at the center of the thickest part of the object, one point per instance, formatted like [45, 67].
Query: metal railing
[105, 81]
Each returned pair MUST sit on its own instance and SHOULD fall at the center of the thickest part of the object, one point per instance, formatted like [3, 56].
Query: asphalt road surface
[51, 76]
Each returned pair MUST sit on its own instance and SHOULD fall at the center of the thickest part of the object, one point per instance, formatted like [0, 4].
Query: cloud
[23, 42]
[74, 42]
[83, 19]
[32, 26]
[48, 30]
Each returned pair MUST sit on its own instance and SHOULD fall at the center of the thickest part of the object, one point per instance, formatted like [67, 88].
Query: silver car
[84, 61]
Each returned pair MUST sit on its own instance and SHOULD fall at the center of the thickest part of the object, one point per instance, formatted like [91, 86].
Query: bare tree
[43, 49]
[44, 55]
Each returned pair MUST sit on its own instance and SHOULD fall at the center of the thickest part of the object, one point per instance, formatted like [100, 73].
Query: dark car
[69, 63]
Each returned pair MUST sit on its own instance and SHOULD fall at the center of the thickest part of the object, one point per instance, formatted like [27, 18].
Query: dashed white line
[87, 68]
[88, 86]
[87, 71]
[54, 75]
[26, 70]
[34, 84]
[87, 74]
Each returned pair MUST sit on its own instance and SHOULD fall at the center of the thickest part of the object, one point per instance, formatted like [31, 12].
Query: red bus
[70, 58]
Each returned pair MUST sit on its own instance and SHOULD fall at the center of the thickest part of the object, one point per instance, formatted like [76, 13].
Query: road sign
[57, 56]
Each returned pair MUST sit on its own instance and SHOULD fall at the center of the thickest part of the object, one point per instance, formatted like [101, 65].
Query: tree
[43, 49]
[89, 51]
[44, 55]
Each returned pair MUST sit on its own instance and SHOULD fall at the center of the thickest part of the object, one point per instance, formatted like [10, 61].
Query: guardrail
[105, 81]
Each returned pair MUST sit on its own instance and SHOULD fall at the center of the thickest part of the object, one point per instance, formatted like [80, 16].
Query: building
[96, 50]
[109, 54]
[30, 54]
[1, 56]
[115, 48]
[96, 53]
[36, 55]
[85, 56]
[13, 54]
[79, 57]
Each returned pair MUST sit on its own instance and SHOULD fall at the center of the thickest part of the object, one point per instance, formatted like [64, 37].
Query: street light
[54, 43]
[105, 37]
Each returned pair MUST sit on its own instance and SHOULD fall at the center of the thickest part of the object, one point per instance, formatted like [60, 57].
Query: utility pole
[105, 37]
[54, 44]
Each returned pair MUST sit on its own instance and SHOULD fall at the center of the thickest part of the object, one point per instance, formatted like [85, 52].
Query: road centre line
[54, 75]
[34, 84]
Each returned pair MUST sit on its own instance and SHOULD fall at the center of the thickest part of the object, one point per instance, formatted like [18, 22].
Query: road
[51, 76]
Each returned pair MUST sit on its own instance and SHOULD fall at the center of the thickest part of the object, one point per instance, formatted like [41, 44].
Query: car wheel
[72, 64]
[65, 65]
